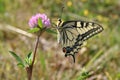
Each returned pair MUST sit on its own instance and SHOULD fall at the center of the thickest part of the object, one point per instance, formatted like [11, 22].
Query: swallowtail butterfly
[72, 34]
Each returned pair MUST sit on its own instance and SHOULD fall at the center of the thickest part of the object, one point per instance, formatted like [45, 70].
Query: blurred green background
[100, 54]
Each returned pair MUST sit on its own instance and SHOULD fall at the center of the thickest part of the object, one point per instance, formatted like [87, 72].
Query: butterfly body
[73, 33]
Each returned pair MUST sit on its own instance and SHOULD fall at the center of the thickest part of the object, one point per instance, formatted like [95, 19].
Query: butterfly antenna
[60, 16]
[60, 21]
[61, 12]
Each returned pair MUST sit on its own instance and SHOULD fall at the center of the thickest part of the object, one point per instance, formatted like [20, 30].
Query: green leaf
[19, 60]
[51, 31]
[29, 55]
[33, 30]
[21, 65]
[40, 24]
[28, 59]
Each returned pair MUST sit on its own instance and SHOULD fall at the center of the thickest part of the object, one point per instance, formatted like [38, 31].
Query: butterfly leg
[73, 56]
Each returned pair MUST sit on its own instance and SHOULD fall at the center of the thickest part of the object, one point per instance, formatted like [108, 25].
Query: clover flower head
[33, 22]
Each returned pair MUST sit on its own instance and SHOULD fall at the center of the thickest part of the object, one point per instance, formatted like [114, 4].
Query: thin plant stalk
[30, 68]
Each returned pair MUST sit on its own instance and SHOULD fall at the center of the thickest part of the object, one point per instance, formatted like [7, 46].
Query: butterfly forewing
[71, 30]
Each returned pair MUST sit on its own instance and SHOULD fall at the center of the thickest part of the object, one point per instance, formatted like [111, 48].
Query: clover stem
[30, 68]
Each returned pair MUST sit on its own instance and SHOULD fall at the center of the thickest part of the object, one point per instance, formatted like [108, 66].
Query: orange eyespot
[64, 49]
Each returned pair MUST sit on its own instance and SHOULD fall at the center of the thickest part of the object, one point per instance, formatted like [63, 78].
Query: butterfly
[72, 34]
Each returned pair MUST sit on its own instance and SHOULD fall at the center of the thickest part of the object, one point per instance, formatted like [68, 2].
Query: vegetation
[97, 60]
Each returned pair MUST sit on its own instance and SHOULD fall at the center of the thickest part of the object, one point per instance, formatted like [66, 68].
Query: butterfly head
[59, 23]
